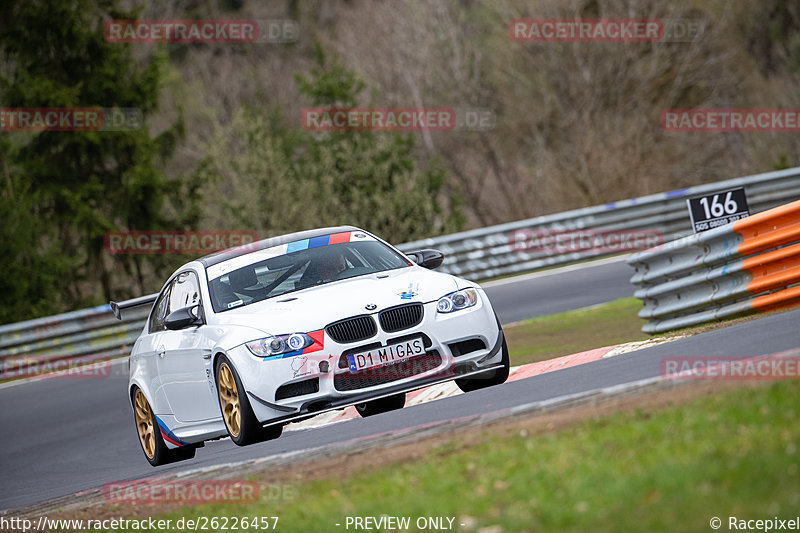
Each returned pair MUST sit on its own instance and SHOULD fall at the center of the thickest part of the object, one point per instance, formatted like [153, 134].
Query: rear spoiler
[118, 307]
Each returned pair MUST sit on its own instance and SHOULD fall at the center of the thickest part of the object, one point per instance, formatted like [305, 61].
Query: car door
[184, 358]
[149, 347]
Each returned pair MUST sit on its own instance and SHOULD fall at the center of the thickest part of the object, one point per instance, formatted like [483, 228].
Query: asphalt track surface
[61, 436]
[560, 289]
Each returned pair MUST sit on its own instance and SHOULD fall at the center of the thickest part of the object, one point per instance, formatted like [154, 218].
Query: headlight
[457, 301]
[279, 344]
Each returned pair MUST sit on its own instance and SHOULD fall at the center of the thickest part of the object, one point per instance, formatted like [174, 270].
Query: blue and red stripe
[319, 343]
[168, 435]
[316, 242]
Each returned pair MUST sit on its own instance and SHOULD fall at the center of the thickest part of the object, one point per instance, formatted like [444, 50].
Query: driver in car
[326, 268]
[331, 268]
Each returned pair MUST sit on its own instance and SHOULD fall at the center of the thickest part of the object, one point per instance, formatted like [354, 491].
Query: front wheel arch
[250, 429]
[214, 360]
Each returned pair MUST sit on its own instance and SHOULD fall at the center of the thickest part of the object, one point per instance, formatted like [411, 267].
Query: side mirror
[183, 318]
[427, 258]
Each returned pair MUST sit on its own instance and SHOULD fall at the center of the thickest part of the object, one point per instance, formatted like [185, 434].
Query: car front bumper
[459, 344]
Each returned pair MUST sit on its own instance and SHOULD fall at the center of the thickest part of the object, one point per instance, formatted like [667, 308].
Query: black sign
[718, 209]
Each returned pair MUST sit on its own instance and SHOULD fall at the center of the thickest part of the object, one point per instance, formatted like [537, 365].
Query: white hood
[312, 309]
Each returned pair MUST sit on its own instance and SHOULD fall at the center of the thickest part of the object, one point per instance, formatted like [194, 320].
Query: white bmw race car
[241, 342]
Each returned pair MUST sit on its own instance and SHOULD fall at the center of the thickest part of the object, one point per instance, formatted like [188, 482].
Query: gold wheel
[229, 400]
[144, 424]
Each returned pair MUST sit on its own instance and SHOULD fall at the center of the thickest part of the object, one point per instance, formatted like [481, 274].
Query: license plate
[386, 355]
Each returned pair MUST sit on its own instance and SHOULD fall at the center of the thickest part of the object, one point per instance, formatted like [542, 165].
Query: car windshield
[295, 266]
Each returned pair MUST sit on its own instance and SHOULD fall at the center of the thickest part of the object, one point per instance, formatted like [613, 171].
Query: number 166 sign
[718, 209]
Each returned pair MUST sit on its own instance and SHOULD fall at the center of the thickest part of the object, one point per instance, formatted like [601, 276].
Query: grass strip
[550, 336]
[669, 469]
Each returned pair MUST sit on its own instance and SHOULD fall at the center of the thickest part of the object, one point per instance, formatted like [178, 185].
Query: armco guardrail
[751, 265]
[62, 341]
[90, 334]
[488, 252]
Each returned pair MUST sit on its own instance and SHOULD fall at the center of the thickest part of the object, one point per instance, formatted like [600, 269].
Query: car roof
[230, 253]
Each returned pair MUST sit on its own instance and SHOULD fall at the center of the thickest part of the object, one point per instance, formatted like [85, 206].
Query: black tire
[155, 451]
[498, 377]
[382, 405]
[250, 429]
